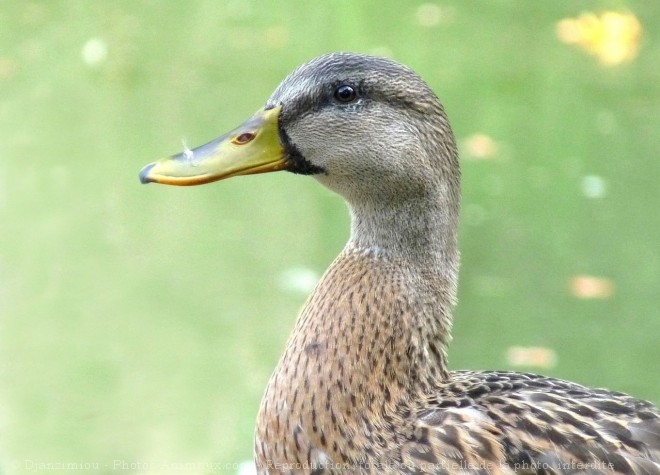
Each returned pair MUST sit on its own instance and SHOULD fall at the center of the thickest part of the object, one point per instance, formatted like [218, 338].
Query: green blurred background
[139, 325]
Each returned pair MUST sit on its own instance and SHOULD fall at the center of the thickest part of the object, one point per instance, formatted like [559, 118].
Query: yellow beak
[252, 147]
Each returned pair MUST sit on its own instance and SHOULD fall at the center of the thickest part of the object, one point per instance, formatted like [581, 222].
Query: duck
[363, 385]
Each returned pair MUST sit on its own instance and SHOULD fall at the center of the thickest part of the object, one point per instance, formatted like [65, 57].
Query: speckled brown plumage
[363, 385]
[343, 385]
[365, 389]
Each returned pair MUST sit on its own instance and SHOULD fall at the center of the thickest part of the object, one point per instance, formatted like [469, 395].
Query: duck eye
[345, 94]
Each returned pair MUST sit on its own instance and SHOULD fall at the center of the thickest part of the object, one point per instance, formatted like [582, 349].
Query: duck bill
[252, 147]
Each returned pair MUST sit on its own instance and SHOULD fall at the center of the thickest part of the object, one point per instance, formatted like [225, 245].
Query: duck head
[366, 127]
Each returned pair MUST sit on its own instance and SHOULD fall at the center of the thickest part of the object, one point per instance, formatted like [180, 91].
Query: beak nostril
[243, 138]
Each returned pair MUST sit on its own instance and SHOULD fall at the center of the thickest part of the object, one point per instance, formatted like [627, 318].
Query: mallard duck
[363, 384]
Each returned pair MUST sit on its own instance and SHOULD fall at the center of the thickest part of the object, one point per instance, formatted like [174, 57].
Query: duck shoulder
[504, 422]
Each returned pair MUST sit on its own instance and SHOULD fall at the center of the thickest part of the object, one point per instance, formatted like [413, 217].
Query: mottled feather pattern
[535, 424]
[341, 376]
[352, 395]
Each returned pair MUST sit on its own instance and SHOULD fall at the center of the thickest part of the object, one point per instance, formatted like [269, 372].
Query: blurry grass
[141, 323]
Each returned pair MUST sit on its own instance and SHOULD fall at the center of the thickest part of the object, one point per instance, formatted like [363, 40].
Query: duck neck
[420, 232]
[418, 239]
[408, 250]
[370, 340]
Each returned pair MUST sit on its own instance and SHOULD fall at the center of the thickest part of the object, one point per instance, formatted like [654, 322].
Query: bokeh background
[139, 324]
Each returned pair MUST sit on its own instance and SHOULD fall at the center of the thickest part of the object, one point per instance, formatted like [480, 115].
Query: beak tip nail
[144, 174]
